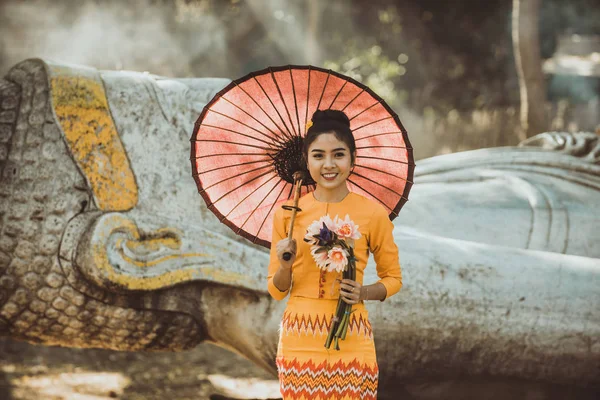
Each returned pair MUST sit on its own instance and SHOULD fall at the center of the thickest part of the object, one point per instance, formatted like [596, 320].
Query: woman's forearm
[376, 291]
[283, 278]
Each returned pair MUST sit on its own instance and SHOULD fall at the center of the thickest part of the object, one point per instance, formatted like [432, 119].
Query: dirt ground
[30, 372]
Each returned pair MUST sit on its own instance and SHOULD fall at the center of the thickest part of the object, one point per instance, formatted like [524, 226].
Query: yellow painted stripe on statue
[81, 107]
[99, 251]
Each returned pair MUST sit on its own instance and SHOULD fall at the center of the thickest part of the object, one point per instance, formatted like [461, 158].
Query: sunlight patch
[73, 386]
[245, 388]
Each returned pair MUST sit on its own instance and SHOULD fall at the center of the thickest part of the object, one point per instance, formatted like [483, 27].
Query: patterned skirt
[307, 370]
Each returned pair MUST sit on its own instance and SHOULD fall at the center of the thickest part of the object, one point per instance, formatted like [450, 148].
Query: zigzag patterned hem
[339, 380]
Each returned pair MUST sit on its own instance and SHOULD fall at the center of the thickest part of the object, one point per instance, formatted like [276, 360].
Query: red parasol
[247, 144]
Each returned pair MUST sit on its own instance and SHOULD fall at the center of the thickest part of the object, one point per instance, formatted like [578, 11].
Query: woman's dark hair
[326, 121]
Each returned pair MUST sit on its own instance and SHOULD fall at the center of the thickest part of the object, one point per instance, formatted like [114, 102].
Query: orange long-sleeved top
[376, 237]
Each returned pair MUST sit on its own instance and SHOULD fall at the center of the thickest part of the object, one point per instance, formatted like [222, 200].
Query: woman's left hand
[350, 291]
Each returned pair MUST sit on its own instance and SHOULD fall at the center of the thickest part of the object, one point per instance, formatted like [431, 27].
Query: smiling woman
[307, 369]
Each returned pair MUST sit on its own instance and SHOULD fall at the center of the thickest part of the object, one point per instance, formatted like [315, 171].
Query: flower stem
[341, 320]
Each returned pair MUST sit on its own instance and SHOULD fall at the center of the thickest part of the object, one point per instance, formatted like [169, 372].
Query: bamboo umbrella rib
[230, 154]
[238, 187]
[250, 194]
[381, 147]
[256, 206]
[324, 87]
[236, 144]
[239, 122]
[377, 183]
[307, 98]
[288, 135]
[338, 93]
[237, 176]
[236, 132]
[372, 122]
[282, 100]
[259, 106]
[377, 134]
[295, 102]
[385, 159]
[366, 109]
[383, 172]
[351, 101]
[270, 211]
[266, 160]
[274, 138]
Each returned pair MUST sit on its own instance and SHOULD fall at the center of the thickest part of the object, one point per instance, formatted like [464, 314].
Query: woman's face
[329, 161]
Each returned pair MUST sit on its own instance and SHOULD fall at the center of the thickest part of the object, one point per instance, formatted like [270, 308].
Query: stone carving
[104, 242]
[580, 144]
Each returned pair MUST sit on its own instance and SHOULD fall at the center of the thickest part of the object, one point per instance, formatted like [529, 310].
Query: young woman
[307, 369]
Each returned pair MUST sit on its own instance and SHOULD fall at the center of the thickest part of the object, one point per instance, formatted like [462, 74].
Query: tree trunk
[526, 47]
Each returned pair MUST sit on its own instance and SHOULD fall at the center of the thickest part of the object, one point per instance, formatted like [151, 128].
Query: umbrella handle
[298, 182]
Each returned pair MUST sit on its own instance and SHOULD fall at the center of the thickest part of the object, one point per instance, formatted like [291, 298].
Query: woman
[307, 369]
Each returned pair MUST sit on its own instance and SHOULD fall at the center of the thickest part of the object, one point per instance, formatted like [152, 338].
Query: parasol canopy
[247, 144]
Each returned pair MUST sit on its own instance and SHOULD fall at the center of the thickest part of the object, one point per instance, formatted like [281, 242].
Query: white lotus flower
[346, 228]
[321, 258]
[312, 230]
[338, 259]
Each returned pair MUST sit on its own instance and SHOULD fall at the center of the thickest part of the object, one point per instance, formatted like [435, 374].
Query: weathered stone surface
[70, 294]
[54, 280]
[25, 250]
[30, 229]
[5, 133]
[4, 260]
[64, 320]
[9, 310]
[38, 307]
[7, 244]
[7, 116]
[52, 313]
[57, 328]
[72, 311]
[99, 320]
[47, 294]
[60, 304]
[70, 332]
[41, 265]
[54, 224]
[21, 325]
[51, 131]
[75, 324]
[49, 245]
[9, 102]
[84, 316]
[36, 119]
[21, 297]
[31, 281]
[49, 151]
[28, 316]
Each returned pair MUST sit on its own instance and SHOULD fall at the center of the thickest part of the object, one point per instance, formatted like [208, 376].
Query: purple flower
[326, 236]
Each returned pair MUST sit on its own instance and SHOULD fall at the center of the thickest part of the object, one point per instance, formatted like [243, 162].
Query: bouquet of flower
[332, 243]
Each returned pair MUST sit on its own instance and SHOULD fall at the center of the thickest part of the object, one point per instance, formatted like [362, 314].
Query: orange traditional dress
[307, 370]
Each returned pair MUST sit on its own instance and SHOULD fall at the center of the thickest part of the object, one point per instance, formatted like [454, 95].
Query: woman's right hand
[286, 246]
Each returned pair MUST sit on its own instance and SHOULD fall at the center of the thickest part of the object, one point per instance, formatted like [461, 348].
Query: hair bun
[331, 115]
